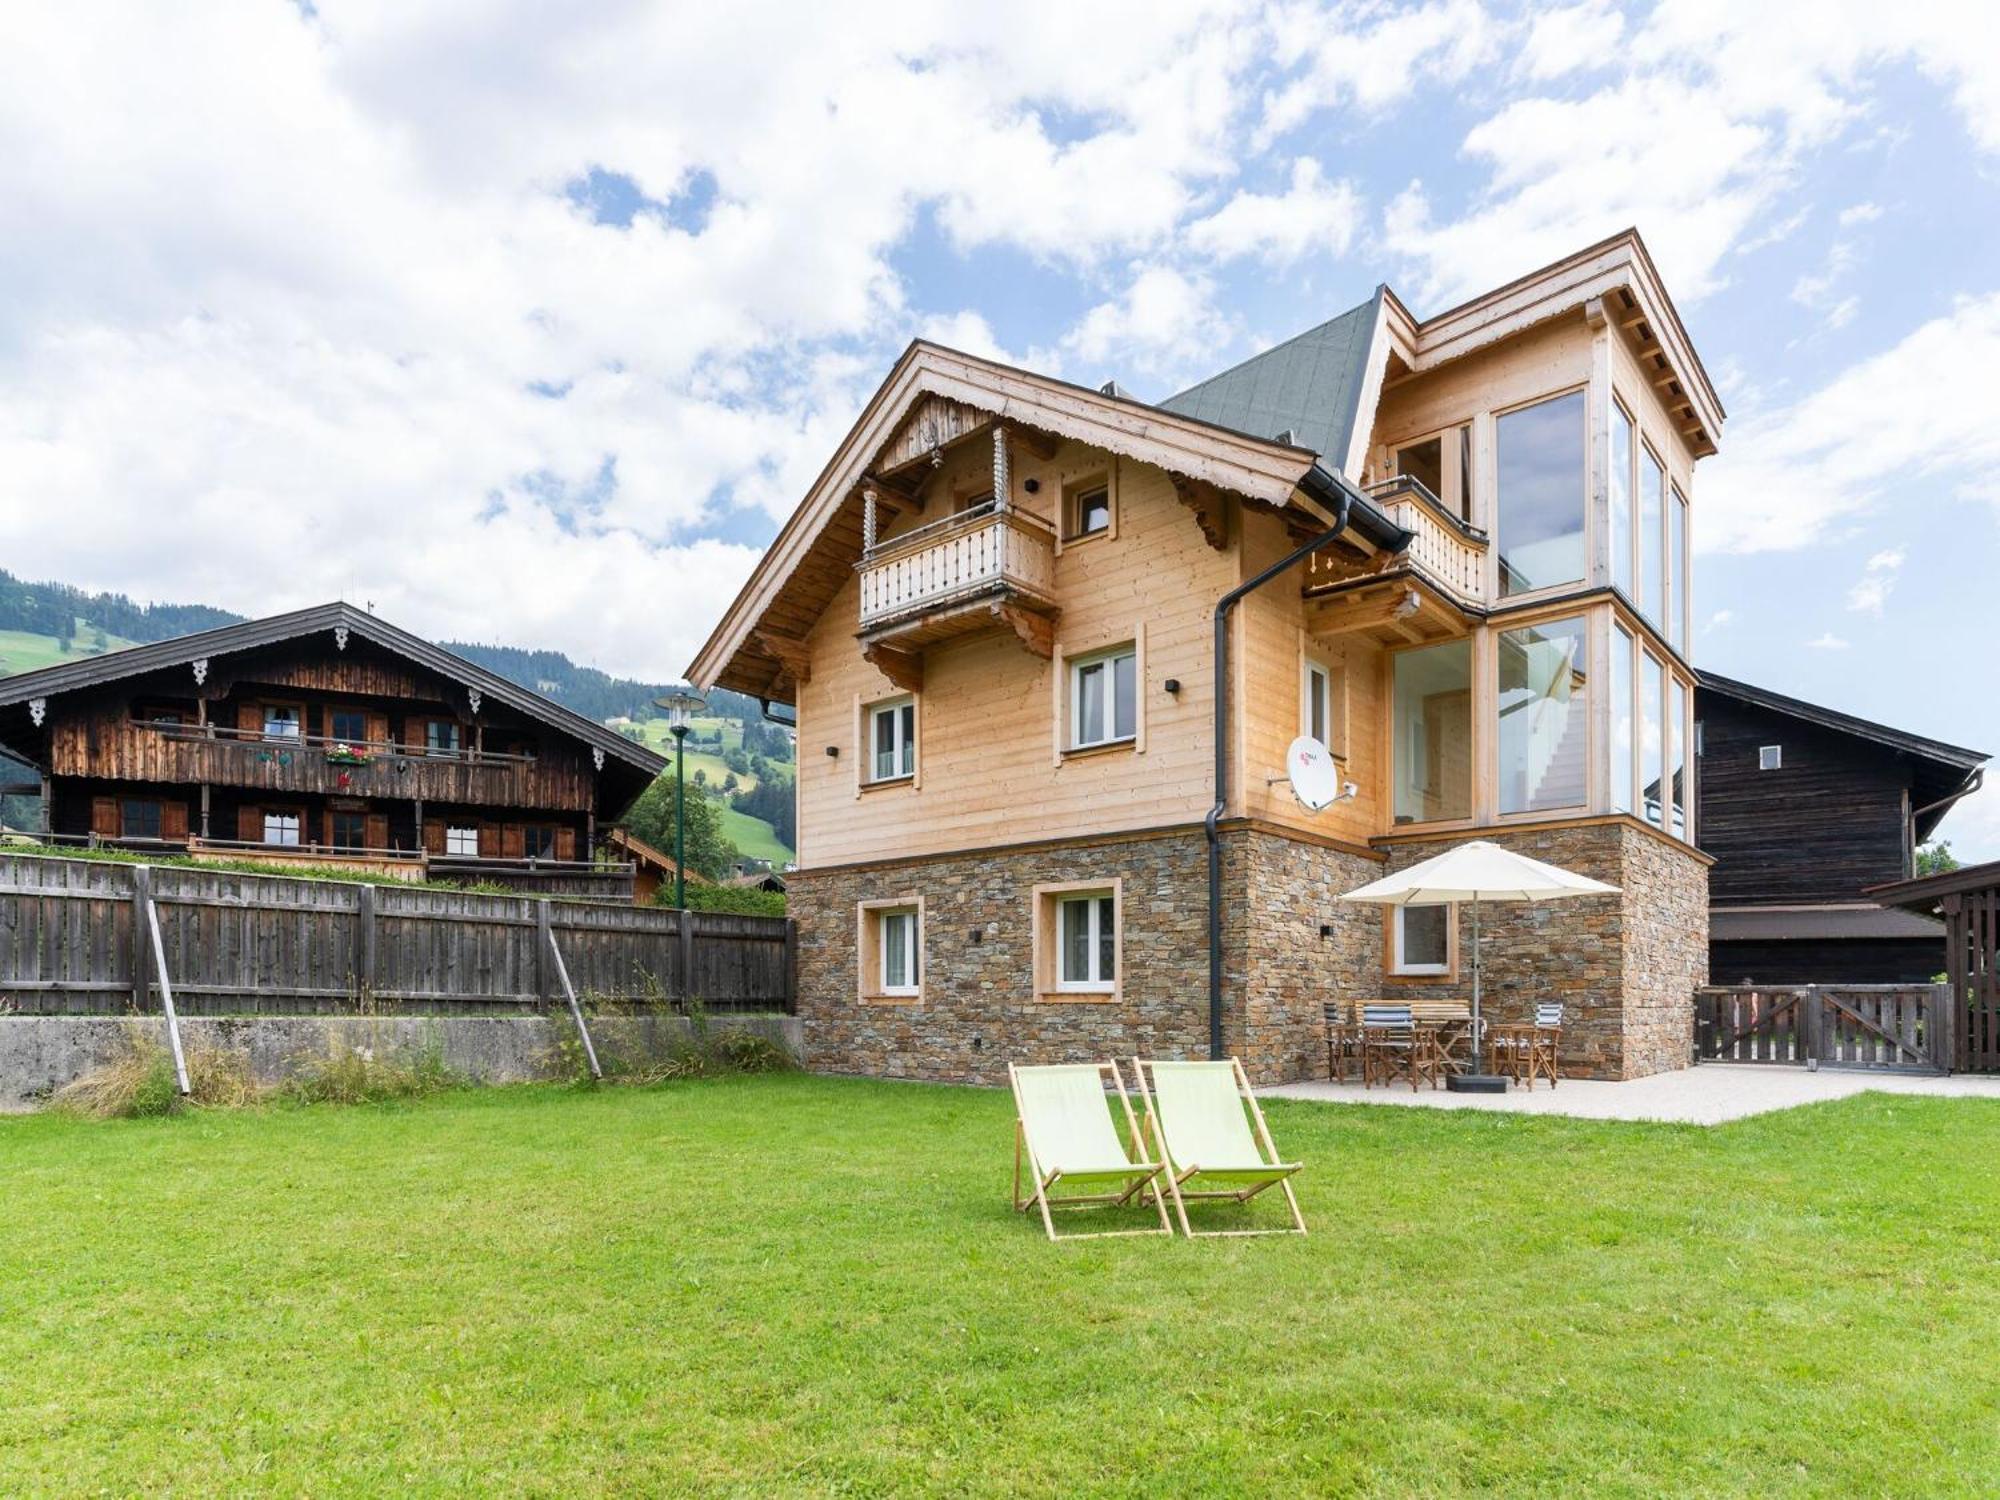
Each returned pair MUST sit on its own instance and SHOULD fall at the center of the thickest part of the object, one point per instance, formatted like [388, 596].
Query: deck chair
[1063, 1126]
[1199, 1117]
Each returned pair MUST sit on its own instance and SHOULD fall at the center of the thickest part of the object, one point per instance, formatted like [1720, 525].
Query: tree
[709, 851]
[700, 777]
[729, 783]
[1935, 859]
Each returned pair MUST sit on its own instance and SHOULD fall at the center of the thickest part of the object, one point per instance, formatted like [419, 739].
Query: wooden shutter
[378, 730]
[565, 843]
[413, 733]
[104, 817]
[173, 820]
[325, 827]
[378, 830]
[513, 842]
[434, 836]
[250, 716]
[250, 824]
[489, 841]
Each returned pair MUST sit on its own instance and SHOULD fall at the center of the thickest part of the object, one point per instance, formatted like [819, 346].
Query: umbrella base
[1476, 1083]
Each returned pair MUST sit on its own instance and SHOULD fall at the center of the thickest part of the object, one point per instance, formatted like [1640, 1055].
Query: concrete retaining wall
[39, 1054]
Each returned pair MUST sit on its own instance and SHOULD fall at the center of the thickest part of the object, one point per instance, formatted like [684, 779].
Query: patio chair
[1525, 1052]
[1199, 1118]
[1063, 1125]
[1343, 1041]
[1394, 1046]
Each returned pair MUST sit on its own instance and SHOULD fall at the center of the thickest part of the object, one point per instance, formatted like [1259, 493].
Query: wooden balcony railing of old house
[977, 553]
[1446, 551]
[215, 755]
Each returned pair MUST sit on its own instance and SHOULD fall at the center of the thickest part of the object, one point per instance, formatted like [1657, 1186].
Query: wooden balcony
[1434, 588]
[981, 570]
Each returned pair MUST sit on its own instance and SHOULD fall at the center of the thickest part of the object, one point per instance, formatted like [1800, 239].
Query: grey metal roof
[1309, 385]
[134, 660]
[1811, 923]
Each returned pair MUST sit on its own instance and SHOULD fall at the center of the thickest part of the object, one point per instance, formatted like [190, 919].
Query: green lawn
[753, 837]
[24, 651]
[797, 1285]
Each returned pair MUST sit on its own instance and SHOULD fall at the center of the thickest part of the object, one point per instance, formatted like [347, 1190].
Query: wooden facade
[1968, 902]
[326, 735]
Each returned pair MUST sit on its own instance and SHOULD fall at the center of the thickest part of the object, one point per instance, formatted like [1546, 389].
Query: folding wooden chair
[1525, 1052]
[1062, 1124]
[1343, 1041]
[1393, 1045]
[1199, 1119]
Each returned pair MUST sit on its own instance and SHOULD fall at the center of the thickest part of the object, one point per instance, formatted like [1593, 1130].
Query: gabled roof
[1311, 386]
[1926, 891]
[225, 640]
[645, 854]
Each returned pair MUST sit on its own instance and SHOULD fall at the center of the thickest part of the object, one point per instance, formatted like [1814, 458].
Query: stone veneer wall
[1626, 966]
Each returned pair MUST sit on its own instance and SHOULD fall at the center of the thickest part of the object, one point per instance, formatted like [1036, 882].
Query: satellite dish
[1314, 781]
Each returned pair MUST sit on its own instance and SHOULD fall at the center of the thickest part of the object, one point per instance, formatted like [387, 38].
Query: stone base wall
[1625, 966]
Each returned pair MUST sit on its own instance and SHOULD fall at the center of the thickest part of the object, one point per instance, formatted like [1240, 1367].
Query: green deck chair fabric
[1206, 1130]
[1067, 1121]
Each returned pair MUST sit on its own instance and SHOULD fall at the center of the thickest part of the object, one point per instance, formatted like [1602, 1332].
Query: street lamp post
[681, 707]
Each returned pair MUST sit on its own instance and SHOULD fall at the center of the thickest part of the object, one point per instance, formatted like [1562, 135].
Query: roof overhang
[1840, 921]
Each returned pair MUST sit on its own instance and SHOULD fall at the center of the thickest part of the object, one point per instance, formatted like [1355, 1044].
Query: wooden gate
[1972, 948]
[1891, 1027]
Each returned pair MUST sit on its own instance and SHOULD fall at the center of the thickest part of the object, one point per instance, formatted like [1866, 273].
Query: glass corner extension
[1544, 723]
[1540, 506]
[1431, 711]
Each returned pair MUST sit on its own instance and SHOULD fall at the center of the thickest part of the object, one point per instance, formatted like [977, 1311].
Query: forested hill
[55, 608]
[586, 690]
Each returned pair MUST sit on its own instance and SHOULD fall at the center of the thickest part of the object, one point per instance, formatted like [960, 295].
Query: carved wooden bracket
[1209, 511]
[1035, 631]
[38, 710]
[791, 653]
[904, 668]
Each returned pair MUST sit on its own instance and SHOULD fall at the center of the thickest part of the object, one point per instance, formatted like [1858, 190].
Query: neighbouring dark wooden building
[325, 736]
[1804, 808]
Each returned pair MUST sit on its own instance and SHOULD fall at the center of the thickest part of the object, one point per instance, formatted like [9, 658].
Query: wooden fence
[75, 940]
[1907, 1027]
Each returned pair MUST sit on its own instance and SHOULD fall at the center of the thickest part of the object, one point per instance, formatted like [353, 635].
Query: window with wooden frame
[347, 725]
[1541, 500]
[282, 826]
[139, 818]
[282, 721]
[892, 740]
[1442, 463]
[1104, 697]
[349, 830]
[1323, 705]
[1087, 509]
[538, 841]
[889, 951]
[441, 737]
[1422, 941]
[1078, 937]
[461, 840]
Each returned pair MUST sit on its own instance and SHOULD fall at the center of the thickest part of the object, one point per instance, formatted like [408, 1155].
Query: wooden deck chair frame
[1144, 1172]
[1178, 1180]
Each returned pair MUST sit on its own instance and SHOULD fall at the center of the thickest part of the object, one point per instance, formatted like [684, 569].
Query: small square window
[892, 740]
[139, 820]
[1087, 941]
[1087, 511]
[1103, 702]
[1422, 939]
[350, 830]
[462, 841]
[889, 950]
[281, 828]
[897, 939]
[348, 725]
[281, 722]
[538, 841]
[1770, 757]
[441, 737]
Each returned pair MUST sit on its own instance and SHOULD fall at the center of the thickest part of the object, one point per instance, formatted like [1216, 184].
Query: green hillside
[30, 650]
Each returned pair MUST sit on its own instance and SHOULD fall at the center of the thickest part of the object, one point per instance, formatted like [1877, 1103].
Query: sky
[531, 323]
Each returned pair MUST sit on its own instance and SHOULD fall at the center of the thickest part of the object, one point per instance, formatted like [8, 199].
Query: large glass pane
[1075, 941]
[1090, 703]
[1423, 932]
[1677, 754]
[1544, 729]
[1541, 461]
[885, 744]
[1433, 733]
[1649, 736]
[1107, 940]
[1423, 462]
[1652, 500]
[1677, 564]
[906, 724]
[1621, 499]
[896, 950]
[1621, 720]
[1124, 704]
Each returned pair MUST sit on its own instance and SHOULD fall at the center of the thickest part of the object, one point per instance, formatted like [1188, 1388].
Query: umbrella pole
[1478, 1025]
[1475, 1079]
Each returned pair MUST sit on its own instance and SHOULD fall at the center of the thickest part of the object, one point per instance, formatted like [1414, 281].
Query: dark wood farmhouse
[1804, 808]
[325, 736]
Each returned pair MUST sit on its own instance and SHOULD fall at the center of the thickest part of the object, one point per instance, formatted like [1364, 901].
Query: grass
[25, 651]
[801, 1285]
[26, 844]
[753, 837]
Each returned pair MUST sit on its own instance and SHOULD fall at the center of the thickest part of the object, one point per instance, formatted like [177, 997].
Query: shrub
[346, 1074]
[139, 1082]
[740, 900]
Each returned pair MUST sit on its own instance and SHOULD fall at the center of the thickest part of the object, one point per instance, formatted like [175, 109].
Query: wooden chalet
[1804, 808]
[325, 736]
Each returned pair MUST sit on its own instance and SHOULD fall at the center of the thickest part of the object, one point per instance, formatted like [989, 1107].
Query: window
[1770, 757]
[138, 820]
[1677, 757]
[1652, 500]
[897, 942]
[348, 725]
[1541, 500]
[441, 737]
[281, 828]
[1544, 731]
[1621, 500]
[1677, 570]
[1087, 941]
[1322, 714]
[892, 737]
[1103, 698]
[1423, 462]
[538, 841]
[463, 841]
[1651, 686]
[1087, 511]
[1622, 747]
[1420, 938]
[281, 722]
[1432, 733]
[350, 830]
[981, 501]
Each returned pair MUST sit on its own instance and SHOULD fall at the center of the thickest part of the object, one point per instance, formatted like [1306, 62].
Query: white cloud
[1828, 642]
[1368, 57]
[1860, 213]
[1787, 477]
[1164, 324]
[1572, 38]
[1311, 217]
[1878, 578]
[1719, 619]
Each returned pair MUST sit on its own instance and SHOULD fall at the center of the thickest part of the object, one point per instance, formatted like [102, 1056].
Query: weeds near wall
[140, 1083]
[643, 1040]
[346, 1074]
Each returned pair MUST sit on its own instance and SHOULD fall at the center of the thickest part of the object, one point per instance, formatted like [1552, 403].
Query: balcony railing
[1443, 549]
[957, 559]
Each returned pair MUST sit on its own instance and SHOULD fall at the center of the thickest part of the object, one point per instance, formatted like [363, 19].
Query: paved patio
[1711, 1094]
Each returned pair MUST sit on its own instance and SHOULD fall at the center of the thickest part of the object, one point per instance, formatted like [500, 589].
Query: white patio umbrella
[1477, 871]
